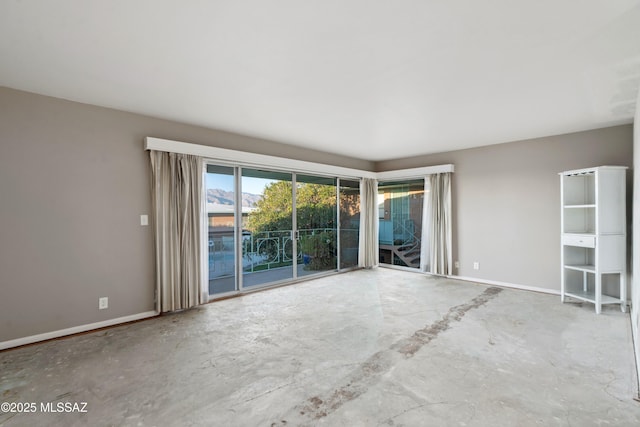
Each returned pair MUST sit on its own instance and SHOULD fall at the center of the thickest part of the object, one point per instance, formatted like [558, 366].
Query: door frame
[238, 236]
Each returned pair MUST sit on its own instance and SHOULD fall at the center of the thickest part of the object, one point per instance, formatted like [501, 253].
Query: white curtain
[426, 229]
[440, 251]
[368, 251]
[176, 202]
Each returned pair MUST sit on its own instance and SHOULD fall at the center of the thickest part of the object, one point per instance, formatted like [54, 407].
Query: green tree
[273, 211]
[315, 211]
[316, 208]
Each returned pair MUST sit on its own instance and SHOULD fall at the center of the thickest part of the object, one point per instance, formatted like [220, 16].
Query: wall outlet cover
[103, 303]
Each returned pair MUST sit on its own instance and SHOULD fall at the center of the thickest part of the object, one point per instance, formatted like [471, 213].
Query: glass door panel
[267, 227]
[221, 196]
[400, 207]
[349, 222]
[316, 222]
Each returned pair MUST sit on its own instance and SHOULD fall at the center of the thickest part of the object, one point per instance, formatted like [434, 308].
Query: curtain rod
[253, 159]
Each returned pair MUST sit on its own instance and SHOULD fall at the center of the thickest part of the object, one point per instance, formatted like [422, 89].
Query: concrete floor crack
[409, 346]
[370, 371]
[389, 421]
[268, 392]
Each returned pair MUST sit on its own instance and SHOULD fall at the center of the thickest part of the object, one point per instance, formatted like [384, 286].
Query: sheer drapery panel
[440, 250]
[368, 248]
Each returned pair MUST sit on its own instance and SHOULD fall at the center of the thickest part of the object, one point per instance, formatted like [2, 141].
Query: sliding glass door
[349, 234]
[268, 245]
[316, 224]
[400, 212]
[221, 218]
[267, 227]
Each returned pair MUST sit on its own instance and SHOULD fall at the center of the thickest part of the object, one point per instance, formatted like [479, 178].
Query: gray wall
[635, 287]
[507, 200]
[74, 179]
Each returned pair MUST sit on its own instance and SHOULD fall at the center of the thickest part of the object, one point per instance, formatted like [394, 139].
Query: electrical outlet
[103, 302]
[144, 219]
[456, 264]
[476, 265]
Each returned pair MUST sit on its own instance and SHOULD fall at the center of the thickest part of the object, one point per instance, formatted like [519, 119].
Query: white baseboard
[75, 330]
[507, 285]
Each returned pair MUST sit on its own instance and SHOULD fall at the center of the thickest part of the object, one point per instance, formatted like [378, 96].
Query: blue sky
[225, 182]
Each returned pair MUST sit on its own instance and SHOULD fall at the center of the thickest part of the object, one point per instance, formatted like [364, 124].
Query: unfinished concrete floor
[367, 348]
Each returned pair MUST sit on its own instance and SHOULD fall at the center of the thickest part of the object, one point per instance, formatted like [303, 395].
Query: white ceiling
[369, 79]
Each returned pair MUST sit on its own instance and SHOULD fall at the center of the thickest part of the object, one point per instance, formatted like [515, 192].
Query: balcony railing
[268, 250]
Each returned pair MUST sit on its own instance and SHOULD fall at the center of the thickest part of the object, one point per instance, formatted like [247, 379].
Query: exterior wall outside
[224, 220]
[506, 201]
[220, 221]
[74, 179]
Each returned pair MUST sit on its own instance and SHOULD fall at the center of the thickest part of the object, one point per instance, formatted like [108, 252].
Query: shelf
[590, 296]
[587, 268]
[579, 172]
[593, 200]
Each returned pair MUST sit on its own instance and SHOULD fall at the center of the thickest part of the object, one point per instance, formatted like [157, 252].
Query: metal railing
[265, 250]
[272, 249]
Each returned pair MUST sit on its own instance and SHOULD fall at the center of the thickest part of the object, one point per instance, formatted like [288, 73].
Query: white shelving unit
[594, 242]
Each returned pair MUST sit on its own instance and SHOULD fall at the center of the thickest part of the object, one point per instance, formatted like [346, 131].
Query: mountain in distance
[250, 200]
[222, 197]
